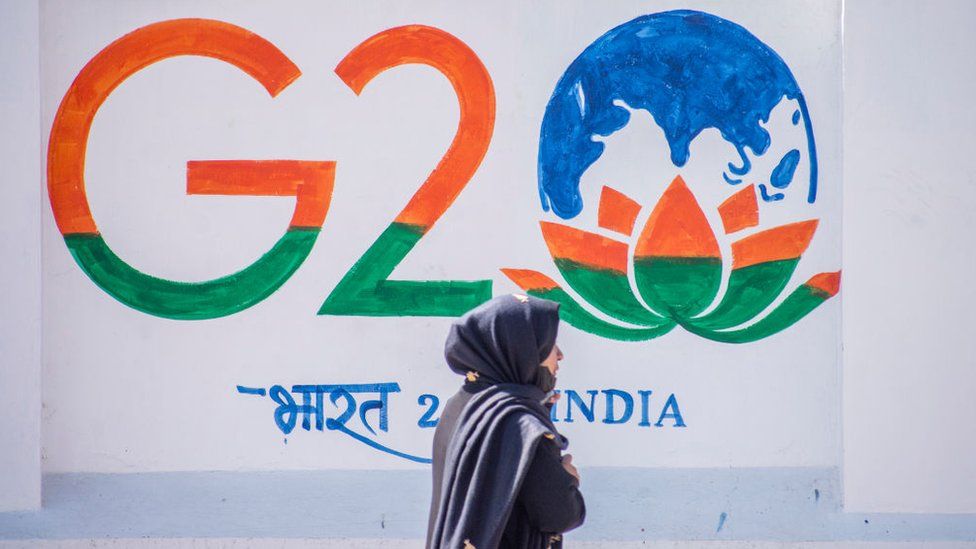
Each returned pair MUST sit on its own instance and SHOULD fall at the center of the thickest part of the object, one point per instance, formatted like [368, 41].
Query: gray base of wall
[272, 543]
[623, 504]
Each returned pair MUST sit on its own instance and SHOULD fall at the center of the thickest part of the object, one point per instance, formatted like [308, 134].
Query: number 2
[365, 290]
[425, 420]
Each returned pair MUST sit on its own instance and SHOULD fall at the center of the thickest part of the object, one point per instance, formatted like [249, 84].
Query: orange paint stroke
[740, 211]
[828, 283]
[530, 280]
[589, 249]
[309, 180]
[617, 212]
[476, 97]
[123, 58]
[677, 227]
[783, 242]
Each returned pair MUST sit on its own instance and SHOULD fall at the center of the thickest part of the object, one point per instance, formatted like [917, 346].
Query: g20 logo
[689, 69]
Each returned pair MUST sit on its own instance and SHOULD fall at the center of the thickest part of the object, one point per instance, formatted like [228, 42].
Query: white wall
[20, 266]
[910, 194]
[129, 392]
[909, 444]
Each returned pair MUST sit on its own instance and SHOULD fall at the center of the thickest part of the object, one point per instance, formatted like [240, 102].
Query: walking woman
[500, 479]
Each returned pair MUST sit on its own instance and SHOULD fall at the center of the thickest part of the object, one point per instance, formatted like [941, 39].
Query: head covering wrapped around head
[504, 340]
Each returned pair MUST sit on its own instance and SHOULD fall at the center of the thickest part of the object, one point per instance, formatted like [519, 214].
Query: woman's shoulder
[452, 409]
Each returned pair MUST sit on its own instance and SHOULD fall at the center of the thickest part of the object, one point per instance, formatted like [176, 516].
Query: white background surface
[908, 412]
[910, 192]
[20, 268]
[130, 392]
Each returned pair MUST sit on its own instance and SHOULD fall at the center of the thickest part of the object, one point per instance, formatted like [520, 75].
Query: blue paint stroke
[345, 416]
[251, 390]
[287, 412]
[553, 416]
[645, 394]
[367, 406]
[811, 150]
[721, 521]
[796, 117]
[286, 407]
[346, 391]
[573, 397]
[746, 164]
[690, 70]
[425, 421]
[730, 181]
[626, 399]
[675, 413]
[783, 172]
[336, 426]
[769, 197]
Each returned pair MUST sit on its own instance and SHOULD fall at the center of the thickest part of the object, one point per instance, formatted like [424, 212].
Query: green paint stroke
[366, 291]
[192, 300]
[609, 291]
[577, 316]
[679, 287]
[799, 303]
[751, 289]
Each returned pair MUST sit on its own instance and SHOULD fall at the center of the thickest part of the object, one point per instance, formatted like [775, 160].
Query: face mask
[546, 381]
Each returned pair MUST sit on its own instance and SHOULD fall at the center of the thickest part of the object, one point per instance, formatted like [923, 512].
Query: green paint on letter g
[192, 300]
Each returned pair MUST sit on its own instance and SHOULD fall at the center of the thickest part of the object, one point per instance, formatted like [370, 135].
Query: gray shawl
[500, 344]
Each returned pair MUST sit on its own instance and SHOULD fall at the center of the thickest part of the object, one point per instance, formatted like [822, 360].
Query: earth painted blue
[691, 71]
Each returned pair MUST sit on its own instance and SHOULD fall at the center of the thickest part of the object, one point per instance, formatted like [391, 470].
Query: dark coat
[498, 480]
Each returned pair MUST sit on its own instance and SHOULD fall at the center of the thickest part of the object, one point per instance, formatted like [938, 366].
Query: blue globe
[691, 70]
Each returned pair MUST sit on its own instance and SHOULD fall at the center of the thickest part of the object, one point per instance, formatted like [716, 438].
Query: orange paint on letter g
[123, 58]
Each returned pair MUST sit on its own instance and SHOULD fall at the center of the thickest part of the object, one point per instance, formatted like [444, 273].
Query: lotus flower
[677, 267]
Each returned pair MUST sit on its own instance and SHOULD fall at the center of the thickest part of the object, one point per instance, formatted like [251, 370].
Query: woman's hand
[567, 461]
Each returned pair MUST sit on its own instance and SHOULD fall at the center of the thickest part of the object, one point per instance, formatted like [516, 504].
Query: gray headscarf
[504, 340]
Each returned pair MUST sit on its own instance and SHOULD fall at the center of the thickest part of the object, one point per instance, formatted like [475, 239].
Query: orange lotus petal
[677, 227]
[583, 247]
[529, 280]
[828, 283]
[740, 210]
[617, 212]
[783, 242]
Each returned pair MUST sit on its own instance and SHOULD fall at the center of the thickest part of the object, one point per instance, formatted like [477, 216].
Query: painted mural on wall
[351, 405]
[365, 290]
[651, 263]
[689, 69]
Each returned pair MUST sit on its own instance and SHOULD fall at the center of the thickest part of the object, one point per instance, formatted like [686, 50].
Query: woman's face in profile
[552, 361]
